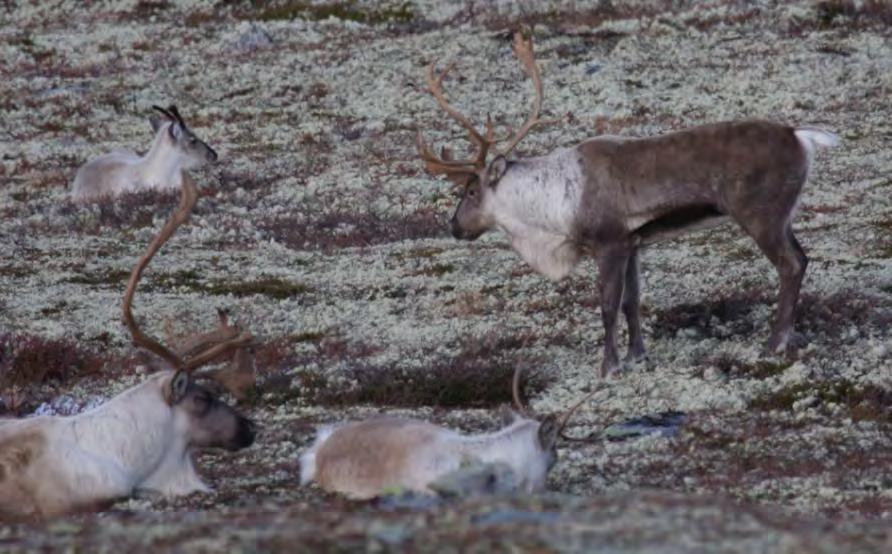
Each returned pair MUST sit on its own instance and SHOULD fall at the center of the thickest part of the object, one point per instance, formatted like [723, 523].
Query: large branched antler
[443, 164]
[208, 351]
[523, 50]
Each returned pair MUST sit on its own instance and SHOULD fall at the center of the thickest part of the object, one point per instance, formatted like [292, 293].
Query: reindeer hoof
[611, 370]
[635, 356]
[785, 345]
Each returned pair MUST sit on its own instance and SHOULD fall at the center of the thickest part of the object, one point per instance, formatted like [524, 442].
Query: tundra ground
[320, 232]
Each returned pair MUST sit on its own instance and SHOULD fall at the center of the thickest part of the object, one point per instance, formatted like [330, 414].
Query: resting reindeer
[174, 149]
[363, 459]
[609, 196]
[140, 440]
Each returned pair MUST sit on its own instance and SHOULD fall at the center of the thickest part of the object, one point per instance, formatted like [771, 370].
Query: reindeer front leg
[631, 309]
[612, 264]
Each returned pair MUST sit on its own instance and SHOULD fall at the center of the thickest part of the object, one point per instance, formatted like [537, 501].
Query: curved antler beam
[188, 198]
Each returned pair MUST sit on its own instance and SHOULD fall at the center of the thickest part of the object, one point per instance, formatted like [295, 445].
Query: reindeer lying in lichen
[140, 440]
[363, 459]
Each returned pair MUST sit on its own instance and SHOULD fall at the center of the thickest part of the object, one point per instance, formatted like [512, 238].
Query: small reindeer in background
[140, 440]
[363, 459]
[610, 196]
[174, 149]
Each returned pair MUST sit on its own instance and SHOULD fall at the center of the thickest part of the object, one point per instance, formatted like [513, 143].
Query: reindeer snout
[456, 230]
[246, 433]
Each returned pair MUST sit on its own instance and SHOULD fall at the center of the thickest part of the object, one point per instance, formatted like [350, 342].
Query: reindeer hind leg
[780, 246]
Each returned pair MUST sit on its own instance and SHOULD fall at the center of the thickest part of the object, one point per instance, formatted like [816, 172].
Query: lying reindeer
[140, 440]
[609, 196]
[363, 459]
[174, 149]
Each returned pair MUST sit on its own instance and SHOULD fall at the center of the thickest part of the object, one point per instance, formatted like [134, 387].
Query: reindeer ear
[496, 170]
[548, 432]
[177, 388]
[156, 122]
[175, 130]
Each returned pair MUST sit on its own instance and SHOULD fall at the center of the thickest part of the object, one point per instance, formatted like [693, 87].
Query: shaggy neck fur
[140, 434]
[536, 204]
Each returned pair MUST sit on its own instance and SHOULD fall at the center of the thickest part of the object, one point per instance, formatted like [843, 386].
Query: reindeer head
[547, 431]
[477, 178]
[192, 150]
[204, 419]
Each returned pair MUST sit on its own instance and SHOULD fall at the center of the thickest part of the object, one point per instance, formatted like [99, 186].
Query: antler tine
[441, 165]
[435, 86]
[166, 113]
[523, 50]
[569, 413]
[176, 113]
[242, 339]
[188, 198]
[515, 391]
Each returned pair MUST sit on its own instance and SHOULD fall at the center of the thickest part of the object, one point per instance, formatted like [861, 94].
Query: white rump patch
[810, 136]
[814, 135]
[308, 458]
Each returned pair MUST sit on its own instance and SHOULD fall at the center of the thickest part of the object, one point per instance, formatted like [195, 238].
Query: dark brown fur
[638, 191]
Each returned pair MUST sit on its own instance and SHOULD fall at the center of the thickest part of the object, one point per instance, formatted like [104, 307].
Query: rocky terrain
[320, 232]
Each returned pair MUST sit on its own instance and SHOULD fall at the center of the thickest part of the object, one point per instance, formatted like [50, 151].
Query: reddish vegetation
[29, 361]
[336, 228]
[478, 375]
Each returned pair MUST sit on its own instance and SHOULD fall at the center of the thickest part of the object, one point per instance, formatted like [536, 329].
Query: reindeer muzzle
[245, 435]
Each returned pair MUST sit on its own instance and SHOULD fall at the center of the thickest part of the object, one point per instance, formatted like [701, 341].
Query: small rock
[663, 424]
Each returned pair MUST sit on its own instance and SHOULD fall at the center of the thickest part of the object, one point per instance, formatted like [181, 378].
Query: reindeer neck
[162, 163]
[540, 194]
[134, 429]
[537, 203]
[490, 445]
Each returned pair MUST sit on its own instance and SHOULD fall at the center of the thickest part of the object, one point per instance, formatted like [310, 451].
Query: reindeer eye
[472, 192]
[202, 403]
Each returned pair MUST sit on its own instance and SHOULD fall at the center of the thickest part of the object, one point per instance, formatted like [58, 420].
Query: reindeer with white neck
[610, 196]
[139, 441]
[363, 459]
[174, 149]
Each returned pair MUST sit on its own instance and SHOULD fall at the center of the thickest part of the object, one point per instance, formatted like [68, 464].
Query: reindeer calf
[174, 149]
[139, 440]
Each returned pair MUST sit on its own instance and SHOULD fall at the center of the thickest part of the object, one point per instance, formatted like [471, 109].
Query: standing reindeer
[174, 149]
[140, 440]
[362, 459]
[609, 196]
